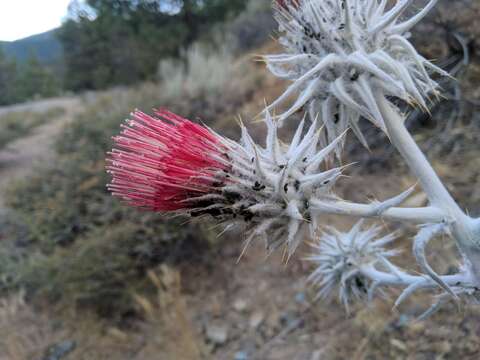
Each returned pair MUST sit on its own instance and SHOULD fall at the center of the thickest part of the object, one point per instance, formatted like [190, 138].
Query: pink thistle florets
[286, 3]
[162, 162]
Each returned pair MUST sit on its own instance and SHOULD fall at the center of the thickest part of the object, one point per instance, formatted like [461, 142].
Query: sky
[22, 18]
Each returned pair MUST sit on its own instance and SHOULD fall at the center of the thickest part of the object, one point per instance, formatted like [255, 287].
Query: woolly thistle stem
[416, 160]
[401, 278]
[420, 215]
[460, 283]
[464, 229]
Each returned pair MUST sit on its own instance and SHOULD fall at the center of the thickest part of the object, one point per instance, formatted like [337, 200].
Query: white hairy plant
[343, 56]
[347, 60]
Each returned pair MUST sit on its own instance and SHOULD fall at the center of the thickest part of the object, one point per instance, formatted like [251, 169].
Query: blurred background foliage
[26, 81]
[104, 43]
[70, 241]
[15, 125]
[142, 32]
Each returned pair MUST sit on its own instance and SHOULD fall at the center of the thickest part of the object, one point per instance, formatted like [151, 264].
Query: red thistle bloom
[162, 162]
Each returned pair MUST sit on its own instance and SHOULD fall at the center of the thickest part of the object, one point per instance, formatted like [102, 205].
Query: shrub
[202, 72]
[252, 27]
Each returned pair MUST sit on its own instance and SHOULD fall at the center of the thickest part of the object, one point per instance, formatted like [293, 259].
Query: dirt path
[19, 157]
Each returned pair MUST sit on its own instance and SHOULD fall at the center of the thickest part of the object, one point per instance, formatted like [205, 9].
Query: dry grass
[202, 71]
[168, 327]
[24, 333]
[164, 333]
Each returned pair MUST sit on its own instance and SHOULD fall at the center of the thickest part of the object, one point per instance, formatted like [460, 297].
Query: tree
[8, 75]
[110, 42]
[35, 80]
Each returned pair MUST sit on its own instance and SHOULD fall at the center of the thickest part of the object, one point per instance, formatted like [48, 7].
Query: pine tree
[8, 76]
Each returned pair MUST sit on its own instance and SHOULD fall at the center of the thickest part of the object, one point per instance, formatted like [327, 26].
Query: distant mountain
[45, 46]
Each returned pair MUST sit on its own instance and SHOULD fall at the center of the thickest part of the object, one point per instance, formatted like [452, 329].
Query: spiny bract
[339, 258]
[274, 185]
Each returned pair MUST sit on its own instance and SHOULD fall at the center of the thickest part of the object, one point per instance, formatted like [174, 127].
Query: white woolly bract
[342, 54]
[269, 189]
[338, 258]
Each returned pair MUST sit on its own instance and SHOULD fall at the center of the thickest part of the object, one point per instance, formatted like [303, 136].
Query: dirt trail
[19, 157]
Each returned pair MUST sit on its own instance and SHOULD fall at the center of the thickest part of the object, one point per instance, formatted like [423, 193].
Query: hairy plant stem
[463, 228]
[420, 215]
[403, 279]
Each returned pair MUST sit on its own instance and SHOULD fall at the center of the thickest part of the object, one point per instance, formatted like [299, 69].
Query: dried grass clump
[203, 71]
[162, 331]
[167, 325]
[24, 333]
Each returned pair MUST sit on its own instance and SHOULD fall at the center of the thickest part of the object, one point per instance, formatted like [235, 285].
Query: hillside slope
[45, 46]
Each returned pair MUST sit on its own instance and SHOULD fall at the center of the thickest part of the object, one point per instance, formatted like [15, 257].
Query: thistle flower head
[169, 164]
[339, 258]
[341, 55]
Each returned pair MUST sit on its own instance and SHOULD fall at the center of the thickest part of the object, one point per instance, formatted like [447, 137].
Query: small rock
[256, 319]
[217, 334]
[263, 286]
[240, 305]
[471, 346]
[438, 332]
[60, 351]
[317, 355]
[287, 318]
[241, 355]
[300, 298]
[403, 320]
[305, 337]
[216, 306]
[400, 345]
[443, 347]
[417, 327]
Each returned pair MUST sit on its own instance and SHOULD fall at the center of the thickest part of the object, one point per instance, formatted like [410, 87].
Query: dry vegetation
[15, 125]
[24, 333]
[107, 278]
